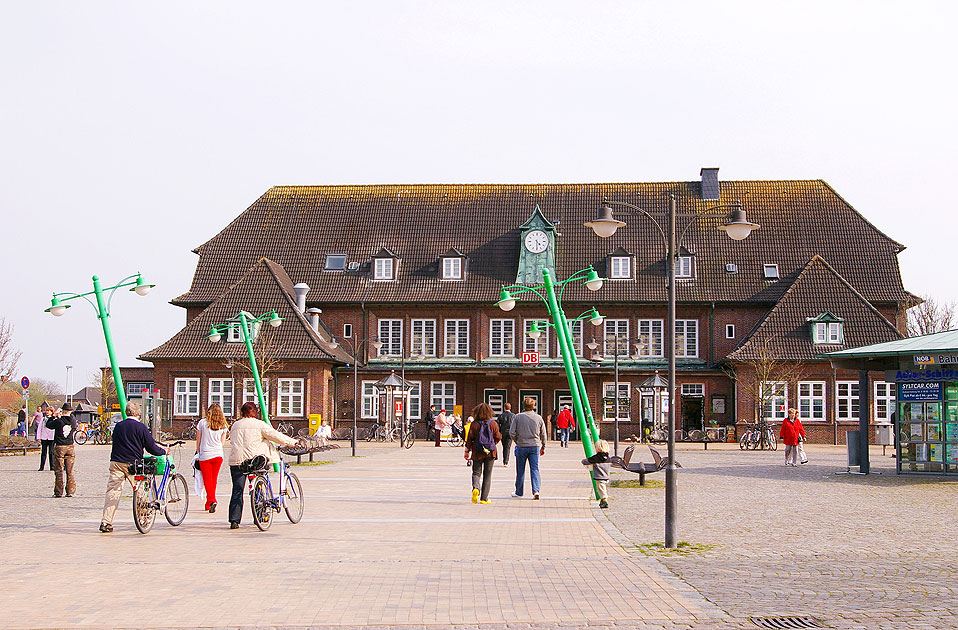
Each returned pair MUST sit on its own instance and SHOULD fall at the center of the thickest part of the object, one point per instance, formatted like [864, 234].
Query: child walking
[601, 469]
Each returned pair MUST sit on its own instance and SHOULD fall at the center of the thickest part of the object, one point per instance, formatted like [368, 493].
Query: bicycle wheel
[177, 500]
[294, 499]
[80, 437]
[370, 434]
[772, 441]
[144, 505]
[259, 502]
[743, 441]
[410, 439]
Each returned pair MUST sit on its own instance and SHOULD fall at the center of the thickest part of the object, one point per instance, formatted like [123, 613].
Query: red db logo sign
[530, 358]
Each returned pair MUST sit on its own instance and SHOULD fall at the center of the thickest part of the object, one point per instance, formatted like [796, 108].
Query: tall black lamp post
[738, 227]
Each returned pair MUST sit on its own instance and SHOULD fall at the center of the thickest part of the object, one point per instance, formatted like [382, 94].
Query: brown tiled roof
[818, 289]
[264, 287]
[298, 225]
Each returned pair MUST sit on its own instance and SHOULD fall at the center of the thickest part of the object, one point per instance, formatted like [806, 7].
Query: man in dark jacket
[63, 427]
[505, 422]
[430, 420]
[130, 438]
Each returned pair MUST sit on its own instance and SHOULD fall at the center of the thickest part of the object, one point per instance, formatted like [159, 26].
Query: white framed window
[620, 267]
[390, 334]
[609, 401]
[452, 268]
[289, 397]
[693, 389]
[811, 400]
[187, 397]
[540, 345]
[578, 342]
[651, 343]
[502, 338]
[335, 262]
[457, 337]
[135, 390]
[846, 400]
[686, 337]
[884, 401]
[730, 331]
[770, 271]
[221, 393]
[415, 400]
[348, 331]
[370, 400]
[829, 333]
[249, 391]
[775, 395]
[384, 269]
[684, 267]
[616, 334]
[443, 395]
[423, 337]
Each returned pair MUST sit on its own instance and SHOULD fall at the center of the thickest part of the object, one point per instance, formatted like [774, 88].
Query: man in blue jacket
[130, 438]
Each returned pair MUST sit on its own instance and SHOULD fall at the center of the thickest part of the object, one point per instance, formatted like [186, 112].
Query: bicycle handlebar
[172, 444]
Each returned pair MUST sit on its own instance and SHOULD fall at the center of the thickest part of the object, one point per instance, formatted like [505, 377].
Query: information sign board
[926, 391]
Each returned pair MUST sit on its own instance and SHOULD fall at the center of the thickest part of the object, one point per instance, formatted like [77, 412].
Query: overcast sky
[132, 131]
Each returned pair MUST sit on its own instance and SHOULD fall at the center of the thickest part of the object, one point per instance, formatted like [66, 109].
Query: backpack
[486, 439]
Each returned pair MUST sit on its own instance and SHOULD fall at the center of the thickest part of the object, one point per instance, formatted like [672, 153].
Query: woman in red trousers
[210, 432]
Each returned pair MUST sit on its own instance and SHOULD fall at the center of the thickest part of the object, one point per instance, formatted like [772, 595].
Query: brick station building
[419, 268]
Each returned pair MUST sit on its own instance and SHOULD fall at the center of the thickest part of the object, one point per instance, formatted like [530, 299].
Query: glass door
[920, 443]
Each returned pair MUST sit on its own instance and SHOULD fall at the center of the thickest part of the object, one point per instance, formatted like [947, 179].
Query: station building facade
[405, 278]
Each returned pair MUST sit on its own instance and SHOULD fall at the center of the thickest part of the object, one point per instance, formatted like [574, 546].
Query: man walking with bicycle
[130, 439]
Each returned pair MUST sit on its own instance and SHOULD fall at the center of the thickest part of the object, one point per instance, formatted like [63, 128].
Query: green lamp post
[246, 323]
[58, 306]
[547, 293]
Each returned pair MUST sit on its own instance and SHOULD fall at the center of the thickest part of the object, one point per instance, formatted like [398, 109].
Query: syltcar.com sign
[928, 391]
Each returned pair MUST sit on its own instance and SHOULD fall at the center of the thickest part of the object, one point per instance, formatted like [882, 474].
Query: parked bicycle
[171, 494]
[190, 432]
[264, 502]
[95, 434]
[379, 432]
[407, 435]
[760, 435]
[285, 428]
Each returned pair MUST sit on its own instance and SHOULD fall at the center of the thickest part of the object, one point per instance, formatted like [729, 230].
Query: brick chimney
[710, 184]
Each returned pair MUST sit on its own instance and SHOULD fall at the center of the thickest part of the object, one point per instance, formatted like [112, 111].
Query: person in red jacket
[792, 434]
[564, 422]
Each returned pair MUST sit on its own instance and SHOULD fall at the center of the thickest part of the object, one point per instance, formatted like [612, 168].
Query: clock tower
[537, 238]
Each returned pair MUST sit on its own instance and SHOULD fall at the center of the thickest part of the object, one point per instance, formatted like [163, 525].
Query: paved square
[391, 539]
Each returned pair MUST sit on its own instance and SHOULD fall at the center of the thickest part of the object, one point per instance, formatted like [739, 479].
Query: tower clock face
[537, 241]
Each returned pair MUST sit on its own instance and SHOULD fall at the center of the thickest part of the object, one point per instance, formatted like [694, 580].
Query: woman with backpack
[481, 448]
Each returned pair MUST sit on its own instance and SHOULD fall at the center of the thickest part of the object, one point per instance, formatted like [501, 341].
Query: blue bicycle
[171, 494]
[264, 502]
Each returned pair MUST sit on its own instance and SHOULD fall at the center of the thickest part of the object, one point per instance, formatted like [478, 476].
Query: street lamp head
[214, 335]
[739, 227]
[506, 301]
[593, 282]
[378, 345]
[142, 288]
[56, 308]
[275, 320]
[592, 346]
[534, 332]
[595, 319]
[604, 225]
[596, 358]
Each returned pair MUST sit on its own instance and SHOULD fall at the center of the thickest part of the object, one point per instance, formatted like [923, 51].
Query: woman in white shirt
[210, 432]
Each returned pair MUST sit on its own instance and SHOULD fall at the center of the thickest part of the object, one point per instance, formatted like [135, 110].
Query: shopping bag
[197, 477]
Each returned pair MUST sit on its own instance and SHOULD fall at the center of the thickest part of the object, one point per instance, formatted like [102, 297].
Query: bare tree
[267, 352]
[930, 316]
[9, 355]
[103, 379]
[768, 368]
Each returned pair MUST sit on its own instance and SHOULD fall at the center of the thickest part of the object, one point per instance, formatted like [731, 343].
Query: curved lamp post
[738, 228]
[58, 306]
[563, 327]
[246, 323]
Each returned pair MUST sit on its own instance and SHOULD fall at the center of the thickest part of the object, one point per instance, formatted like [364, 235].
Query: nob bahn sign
[530, 358]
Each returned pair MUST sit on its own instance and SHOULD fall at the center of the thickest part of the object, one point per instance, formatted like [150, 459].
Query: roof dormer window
[827, 329]
[770, 271]
[452, 265]
[620, 267]
[335, 262]
[685, 267]
[384, 265]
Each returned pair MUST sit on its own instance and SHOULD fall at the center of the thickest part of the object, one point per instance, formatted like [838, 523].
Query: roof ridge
[900, 247]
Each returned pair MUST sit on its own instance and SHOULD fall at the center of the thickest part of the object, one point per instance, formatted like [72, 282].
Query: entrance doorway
[693, 413]
[533, 393]
[495, 398]
[564, 397]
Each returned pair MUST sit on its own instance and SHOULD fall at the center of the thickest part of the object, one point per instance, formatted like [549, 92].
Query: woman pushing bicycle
[249, 437]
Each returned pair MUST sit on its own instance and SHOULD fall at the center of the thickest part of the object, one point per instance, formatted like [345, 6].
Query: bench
[700, 436]
[641, 468]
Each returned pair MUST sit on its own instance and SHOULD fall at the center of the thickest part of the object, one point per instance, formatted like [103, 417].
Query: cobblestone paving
[853, 551]
[390, 540]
